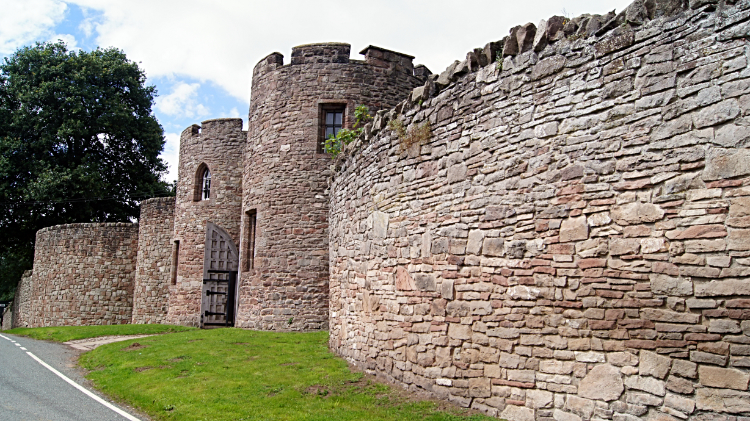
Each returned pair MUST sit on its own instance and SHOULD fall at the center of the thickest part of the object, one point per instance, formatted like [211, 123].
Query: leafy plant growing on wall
[334, 144]
[416, 134]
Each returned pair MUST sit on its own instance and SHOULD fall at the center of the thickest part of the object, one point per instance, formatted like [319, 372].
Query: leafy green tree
[78, 143]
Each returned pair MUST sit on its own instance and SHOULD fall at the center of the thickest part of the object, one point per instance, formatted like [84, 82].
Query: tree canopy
[78, 143]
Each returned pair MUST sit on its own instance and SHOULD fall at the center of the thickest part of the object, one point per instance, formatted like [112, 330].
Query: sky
[200, 53]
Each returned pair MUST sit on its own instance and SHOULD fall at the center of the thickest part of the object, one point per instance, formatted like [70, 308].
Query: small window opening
[251, 218]
[332, 121]
[206, 191]
[175, 261]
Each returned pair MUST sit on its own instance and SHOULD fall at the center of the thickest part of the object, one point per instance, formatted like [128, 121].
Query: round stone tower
[284, 247]
[212, 151]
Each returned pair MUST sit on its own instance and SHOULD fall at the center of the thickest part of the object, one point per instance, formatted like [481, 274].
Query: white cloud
[23, 22]
[182, 102]
[220, 42]
[69, 40]
[171, 156]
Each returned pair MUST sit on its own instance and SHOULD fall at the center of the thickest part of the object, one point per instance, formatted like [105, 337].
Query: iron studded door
[219, 278]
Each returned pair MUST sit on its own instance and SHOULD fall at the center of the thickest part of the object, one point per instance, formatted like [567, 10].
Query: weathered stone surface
[726, 163]
[653, 364]
[603, 382]
[684, 368]
[725, 378]
[722, 400]
[493, 247]
[670, 316]
[721, 288]
[559, 415]
[672, 286]
[404, 281]
[459, 331]
[646, 384]
[574, 229]
[517, 413]
[636, 213]
[539, 399]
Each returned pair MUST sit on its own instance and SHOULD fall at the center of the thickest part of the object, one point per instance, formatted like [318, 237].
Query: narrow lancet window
[206, 192]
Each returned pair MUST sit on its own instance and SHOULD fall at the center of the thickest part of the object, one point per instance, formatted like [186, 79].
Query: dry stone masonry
[572, 242]
[83, 275]
[556, 227]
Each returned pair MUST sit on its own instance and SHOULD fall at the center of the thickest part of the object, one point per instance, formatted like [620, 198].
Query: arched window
[202, 183]
[206, 185]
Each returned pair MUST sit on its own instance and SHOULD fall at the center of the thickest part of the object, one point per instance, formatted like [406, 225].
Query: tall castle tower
[284, 246]
[207, 219]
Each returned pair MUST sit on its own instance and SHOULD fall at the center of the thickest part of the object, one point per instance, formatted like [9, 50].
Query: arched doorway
[220, 264]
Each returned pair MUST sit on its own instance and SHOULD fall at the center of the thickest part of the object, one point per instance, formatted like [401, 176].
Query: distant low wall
[83, 275]
[571, 241]
[22, 301]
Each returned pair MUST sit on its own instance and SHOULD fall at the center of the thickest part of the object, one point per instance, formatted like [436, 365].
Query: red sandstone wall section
[83, 275]
[285, 180]
[22, 301]
[220, 145]
[154, 260]
[572, 241]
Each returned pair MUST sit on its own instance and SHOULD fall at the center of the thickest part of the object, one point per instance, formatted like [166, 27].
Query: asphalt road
[31, 392]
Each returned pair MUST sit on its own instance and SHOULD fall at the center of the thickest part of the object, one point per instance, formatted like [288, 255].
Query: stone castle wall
[284, 285]
[22, 301]
[572, 240]
[154, 260]
[83, 275]
[219, 144]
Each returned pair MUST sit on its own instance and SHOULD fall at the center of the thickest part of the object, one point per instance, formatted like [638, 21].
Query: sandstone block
[720, 288]
[722, 400]
[603, 382]
[716, 114]
[669, 316]
[646, 384]
[725, 378]
[739, 239]
[637, 213]
[474, 243]
[726, 163]
[574, 229]
[739, 207]
[536, 398]
[556, 367]
[653, 364]
[493, 247]
[559, 415]
[479, 387]
[380, 224]
[404, 281]
[684, 368]
[517, 413]
[580, 406]
[724, 326]
[679, 385]
[622, 246]
[458, 331]
[671, 286]
[425, 282]
[684, 405]
[446, 289]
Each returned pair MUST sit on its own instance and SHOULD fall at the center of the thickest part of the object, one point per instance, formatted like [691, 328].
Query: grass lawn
[234, 374]
[70, 333]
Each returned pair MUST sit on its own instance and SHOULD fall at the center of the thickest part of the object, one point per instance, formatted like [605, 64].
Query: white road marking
[24, 349]
[76, 385]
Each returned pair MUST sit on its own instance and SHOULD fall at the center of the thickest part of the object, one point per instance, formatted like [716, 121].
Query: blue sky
[200, 53]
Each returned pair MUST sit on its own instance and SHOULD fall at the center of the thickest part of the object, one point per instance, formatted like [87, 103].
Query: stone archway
[220, 263]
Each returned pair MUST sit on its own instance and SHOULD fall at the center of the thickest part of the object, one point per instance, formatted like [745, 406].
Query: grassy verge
[233, 374]
[71, 333]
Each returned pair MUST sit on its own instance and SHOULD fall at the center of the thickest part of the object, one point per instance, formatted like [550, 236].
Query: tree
[78, 143]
